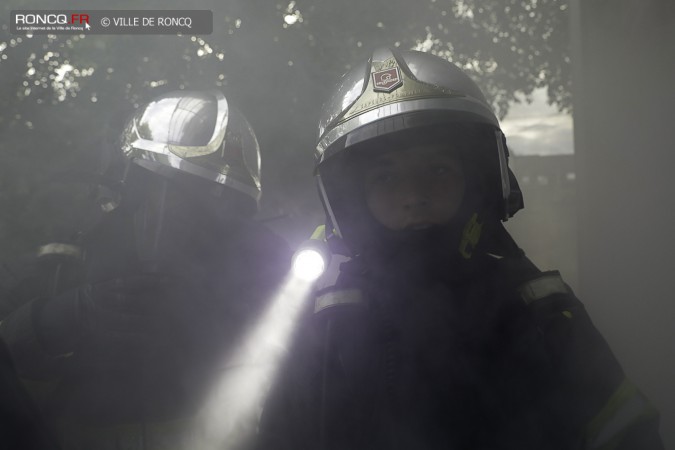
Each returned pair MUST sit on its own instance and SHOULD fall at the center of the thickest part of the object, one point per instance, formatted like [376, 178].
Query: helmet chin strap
[471, 234]
[447, 251]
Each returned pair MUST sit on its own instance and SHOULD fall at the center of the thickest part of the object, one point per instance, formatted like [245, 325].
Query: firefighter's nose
[415, 195]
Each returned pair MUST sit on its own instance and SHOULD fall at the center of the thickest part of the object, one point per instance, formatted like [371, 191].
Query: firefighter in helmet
[439, 333]
[173, 273]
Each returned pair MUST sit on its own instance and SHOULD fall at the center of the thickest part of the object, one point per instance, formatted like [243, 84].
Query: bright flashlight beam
[231, 415]
[308, 265]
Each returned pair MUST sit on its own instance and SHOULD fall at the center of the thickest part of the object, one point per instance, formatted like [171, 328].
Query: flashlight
[312, 257]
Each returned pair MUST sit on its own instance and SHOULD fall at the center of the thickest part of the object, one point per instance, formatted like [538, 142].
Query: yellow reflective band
[543, 287]
[57, 248]
[567, 314]
[335, 298]
[626, 407]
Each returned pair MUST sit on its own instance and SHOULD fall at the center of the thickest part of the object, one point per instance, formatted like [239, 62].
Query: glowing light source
[312, 257]
[308, 264]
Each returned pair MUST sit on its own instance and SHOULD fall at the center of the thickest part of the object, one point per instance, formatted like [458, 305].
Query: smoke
[229, 419]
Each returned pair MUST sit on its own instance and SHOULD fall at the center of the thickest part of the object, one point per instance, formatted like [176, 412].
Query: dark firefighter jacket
[505, 358]
[126, 351]
[21, 424]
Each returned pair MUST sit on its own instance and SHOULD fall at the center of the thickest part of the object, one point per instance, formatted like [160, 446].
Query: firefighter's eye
[381, 177]
[444, 170]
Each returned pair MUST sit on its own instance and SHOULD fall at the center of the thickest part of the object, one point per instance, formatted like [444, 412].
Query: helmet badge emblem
[387, 80]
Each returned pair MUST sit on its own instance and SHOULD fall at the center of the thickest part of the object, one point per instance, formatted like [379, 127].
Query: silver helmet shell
[401, 90]
[198, 133]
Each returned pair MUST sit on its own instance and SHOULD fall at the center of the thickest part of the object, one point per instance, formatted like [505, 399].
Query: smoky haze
[588, 212]
[625, 67]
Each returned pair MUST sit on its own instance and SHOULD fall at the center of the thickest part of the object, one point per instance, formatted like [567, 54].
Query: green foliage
[65, 98]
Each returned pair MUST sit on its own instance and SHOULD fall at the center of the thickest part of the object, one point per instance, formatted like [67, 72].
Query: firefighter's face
[415, 188]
